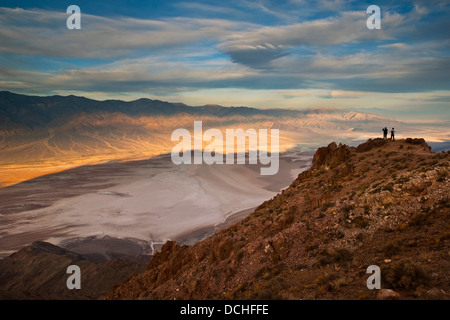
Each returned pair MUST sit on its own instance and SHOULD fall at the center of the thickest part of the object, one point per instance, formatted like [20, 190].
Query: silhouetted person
[392, 134]
[385, 133]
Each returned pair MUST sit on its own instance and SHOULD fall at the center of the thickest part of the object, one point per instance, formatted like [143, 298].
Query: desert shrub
[359, 237]
[375, 187]
[376, 190]
[402, 180]
[331, 282]
[264, 294]
[414, 141]
[389, 187]
[361, 222]
[310, 247]
[443, 202]
[419, 219]
[339, 256]
[223, 251]
[404, 275]
[275, 257]
[327, 278]
[300, 266]
[444, 236]
[240, 254]
[342, 255]
[337, 188]
[418, 189]
[339, 235]
[442, 175]
[326, 205]
[325, 260]
[347, 208]
[320, 215]
[270, 290]
[392, 248]
[288, 217]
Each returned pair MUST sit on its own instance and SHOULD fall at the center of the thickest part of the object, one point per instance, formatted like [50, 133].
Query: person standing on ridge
[385, 132]
[392, 134]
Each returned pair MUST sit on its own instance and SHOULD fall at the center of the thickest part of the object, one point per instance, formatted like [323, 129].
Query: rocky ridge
[382, 203]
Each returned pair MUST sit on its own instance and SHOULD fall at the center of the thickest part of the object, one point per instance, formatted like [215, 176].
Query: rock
[321, 154]
[436, 294]
[388, 294]
[370, 144]
[332, 155]
[168, 249]
[417, 141]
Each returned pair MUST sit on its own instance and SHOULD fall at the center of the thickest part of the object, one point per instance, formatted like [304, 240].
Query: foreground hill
[38, 271]
[382, 203]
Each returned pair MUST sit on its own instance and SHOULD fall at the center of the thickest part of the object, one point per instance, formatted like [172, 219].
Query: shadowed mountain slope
[38, 271]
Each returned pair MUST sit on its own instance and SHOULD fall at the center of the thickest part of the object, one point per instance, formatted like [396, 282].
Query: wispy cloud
[291, 52]
[44, 33]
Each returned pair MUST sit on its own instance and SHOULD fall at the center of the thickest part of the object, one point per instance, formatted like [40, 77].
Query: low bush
[404, 275]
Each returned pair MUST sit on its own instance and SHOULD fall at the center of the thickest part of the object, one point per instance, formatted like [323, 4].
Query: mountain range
[41, 135]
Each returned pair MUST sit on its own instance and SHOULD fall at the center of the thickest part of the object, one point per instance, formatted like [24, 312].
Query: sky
[257, 53]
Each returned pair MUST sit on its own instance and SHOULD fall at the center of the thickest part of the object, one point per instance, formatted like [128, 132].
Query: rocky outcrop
[387, 294]
[331, 156]
[370, 144]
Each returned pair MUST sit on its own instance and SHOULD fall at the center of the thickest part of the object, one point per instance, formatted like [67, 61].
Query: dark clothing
[385, 133]
[392, 134]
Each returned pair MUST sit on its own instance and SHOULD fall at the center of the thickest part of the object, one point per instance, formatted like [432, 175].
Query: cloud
[148, 74]
[340, 94]
[350, 27]
[44, 33]
[334, 54]
[331, 4]
[208, 8]
[396, 46]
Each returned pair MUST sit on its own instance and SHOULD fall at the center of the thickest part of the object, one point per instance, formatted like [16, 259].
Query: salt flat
[150, 201]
